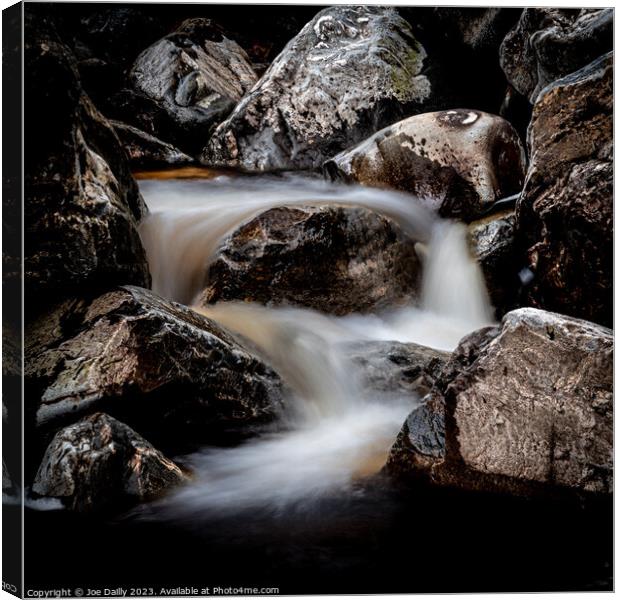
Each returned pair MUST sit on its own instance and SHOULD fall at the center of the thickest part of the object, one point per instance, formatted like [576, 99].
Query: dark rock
[458, 161]
[165, 370]
[82, 204]
[99, 462]
[565, 213]
[196, 75]
[350, 71]
[7, 483]
[492, 240]
[395, 367]
[145, 150]
[549, 43]
[335, 259]
[527, 409]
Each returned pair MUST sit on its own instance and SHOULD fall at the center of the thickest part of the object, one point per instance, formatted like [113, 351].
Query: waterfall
[335, 430]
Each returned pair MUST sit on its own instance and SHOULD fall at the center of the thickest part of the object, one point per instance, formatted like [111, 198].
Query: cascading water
[334, 431]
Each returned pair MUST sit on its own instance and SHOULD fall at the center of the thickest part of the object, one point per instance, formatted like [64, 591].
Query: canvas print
[306, 299]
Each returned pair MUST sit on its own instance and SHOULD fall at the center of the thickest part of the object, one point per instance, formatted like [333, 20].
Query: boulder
[196, 75]
[524, 408]
[565, 212]
[99, 462]
[332, 258]
[146, 151]
[82, 204]
[458, 161]
[165, 370]
[350, 71]
[396, 367]
[492, 240]
[549, 43]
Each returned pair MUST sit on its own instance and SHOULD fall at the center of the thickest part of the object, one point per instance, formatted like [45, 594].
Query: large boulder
[165, 370]
[350, 71]
[525, 408]
[82, 204]
[492, 240]
[197, 75]
[565, 212]
[332, 258]
[458, 161]
[100, 462]
[549, 43]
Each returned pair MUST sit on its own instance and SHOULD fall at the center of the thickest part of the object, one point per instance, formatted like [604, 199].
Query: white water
[334, 431]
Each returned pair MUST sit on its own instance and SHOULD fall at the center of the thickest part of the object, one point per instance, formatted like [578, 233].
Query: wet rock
[145, 150]
[565, 213]
[196, 75]
[100, 462]
[492, 240]
[350, 71]
[334, 259]
[82, 204]
[549, 43]
[458, 161]
[395, 367]
[527, 409]
[165, 370]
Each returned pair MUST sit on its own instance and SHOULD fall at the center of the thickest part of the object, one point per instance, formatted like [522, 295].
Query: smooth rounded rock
[457, 161]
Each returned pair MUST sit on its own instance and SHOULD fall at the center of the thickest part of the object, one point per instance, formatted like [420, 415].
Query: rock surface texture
[156, 365]
[81, 203]
[458, 161]
[197, 75]
[549, 43]
[397, 368]
[350, 71]
[565, 212]
[334, 259]
[523, 408]
[145, 150]
[492, 240]
[100, 461]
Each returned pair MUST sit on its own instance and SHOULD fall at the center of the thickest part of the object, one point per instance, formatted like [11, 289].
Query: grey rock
[196, 75]
[549, 43]
[165, 370]
[492, 240]
[349, 72]
[335, 259]
[82, 204]
[457, 161]
[145, 150]
[99, 462]
[527, 409]
[7, 483]
[565, 212]
[396, 367]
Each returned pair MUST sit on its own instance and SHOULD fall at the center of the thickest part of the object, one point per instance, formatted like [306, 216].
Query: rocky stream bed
[351, 328]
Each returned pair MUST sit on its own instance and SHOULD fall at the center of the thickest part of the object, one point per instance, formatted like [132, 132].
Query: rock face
[549, 43]
[523, 408]
[99, 461]
[146, 151]
[81, 203]
[565, 213]
[165, 370]
[395, 367]
[350, 71]
[335, 259]
[458, 161]
[492, 240]
[196, 75]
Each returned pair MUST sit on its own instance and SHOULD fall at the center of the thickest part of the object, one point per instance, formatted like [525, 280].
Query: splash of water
[335, 431]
